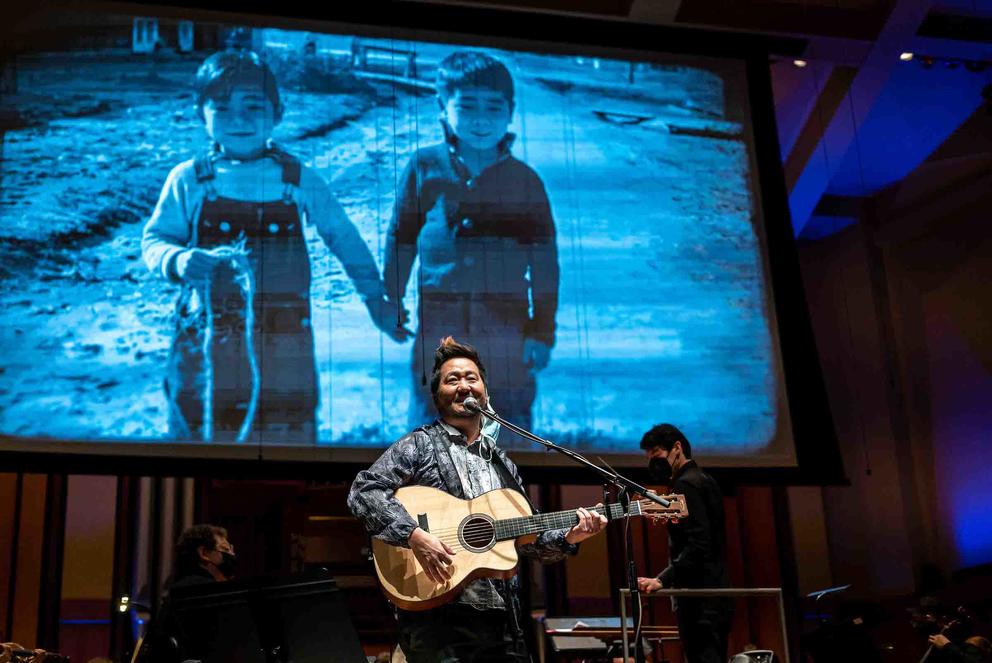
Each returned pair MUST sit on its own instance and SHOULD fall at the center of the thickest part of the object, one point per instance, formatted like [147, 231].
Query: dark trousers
[461, 634]
[703, 634]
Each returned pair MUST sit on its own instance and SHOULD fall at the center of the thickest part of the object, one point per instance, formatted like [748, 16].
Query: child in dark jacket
[481, 222]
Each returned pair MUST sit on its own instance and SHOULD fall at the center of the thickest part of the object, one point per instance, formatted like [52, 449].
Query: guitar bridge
[422, 522]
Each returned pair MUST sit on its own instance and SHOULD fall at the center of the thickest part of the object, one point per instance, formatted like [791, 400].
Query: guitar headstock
[665, 514]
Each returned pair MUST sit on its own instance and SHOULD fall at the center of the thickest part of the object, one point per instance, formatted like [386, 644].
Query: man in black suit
[697, 545]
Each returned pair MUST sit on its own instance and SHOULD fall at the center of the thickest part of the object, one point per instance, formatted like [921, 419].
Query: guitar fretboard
[511, 528]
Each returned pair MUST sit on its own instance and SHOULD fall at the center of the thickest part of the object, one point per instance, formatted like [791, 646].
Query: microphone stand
[614, 478]
[625, 488]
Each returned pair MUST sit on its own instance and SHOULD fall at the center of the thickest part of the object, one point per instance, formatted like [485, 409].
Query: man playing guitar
[454, 454]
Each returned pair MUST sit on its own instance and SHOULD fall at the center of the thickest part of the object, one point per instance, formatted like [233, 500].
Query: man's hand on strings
[434, 555]
[590, 523]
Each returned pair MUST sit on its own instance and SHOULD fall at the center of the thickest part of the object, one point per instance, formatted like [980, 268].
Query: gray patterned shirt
[475, 469]
[474, 462]
[427, 457]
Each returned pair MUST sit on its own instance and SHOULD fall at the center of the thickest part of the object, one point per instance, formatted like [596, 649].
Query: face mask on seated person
[660, 470]
[228, 564]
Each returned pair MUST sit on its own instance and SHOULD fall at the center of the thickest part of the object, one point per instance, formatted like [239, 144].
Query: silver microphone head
[472, 405]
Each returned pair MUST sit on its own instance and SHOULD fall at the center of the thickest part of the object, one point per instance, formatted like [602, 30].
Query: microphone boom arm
[614, 478]
[625, 486]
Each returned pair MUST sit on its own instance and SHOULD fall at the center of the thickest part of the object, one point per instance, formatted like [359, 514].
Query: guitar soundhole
[477, 533]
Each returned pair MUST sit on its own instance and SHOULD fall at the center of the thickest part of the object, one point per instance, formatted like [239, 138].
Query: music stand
[300, 618]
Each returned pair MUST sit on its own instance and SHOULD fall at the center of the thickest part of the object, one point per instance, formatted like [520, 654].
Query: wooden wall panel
[28, 570]
[8, 525]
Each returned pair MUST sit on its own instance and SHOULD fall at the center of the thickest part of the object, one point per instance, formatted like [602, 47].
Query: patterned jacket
[422, 458]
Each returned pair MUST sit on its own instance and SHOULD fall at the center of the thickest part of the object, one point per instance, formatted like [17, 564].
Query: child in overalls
[229, 226]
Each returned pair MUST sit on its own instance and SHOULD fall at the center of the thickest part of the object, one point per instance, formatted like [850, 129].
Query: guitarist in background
[697, 546]
[455, 455]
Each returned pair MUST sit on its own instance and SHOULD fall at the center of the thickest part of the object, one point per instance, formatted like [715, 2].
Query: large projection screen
[610, 261]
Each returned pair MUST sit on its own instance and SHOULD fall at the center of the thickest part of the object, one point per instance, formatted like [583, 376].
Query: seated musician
[455, 455]
[202, 555]
[975, 649]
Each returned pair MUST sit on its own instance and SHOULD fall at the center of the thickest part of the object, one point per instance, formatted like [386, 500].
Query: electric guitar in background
[484, 533]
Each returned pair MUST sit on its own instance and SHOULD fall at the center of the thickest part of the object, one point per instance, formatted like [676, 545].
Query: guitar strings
[475, 527]
[449, 534]
[452, 536]
[445, 533]
[475, 530]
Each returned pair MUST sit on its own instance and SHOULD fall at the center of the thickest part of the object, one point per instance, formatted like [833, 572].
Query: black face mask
[227, 564]
[660, 470]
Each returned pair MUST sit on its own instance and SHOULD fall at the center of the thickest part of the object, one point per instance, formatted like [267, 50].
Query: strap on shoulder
[509, 481]
[204, 166]
[292, 168]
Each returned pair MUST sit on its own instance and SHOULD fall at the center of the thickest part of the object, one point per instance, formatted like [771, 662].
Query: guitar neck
[512, 528]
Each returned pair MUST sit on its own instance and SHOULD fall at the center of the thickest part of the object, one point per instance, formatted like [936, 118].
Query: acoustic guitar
[483, 532]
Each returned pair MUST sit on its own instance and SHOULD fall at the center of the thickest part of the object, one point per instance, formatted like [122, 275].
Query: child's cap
[222, 71]
[463, 69]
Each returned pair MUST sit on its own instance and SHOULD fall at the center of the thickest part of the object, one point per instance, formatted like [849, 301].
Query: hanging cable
[260, 266]
[575, 239]
[379, 253]
[415, 157]
[845, 287]
[847, 310]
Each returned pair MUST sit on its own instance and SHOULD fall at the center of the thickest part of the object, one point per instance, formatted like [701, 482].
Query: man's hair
[222, 71]
[665, 436]
[452, 349]
[464, 69]
[187, 554]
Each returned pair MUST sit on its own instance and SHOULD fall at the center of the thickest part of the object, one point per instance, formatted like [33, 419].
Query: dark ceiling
[858, 118]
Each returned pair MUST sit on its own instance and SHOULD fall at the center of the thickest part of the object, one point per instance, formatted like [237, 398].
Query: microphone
[472, 405]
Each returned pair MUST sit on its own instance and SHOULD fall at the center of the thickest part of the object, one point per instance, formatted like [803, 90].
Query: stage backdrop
[618, 237]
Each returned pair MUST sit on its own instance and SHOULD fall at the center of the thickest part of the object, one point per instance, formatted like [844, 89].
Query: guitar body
[466, 526]
[483, 532]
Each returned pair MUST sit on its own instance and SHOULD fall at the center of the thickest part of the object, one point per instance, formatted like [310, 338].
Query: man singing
[455, 455]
